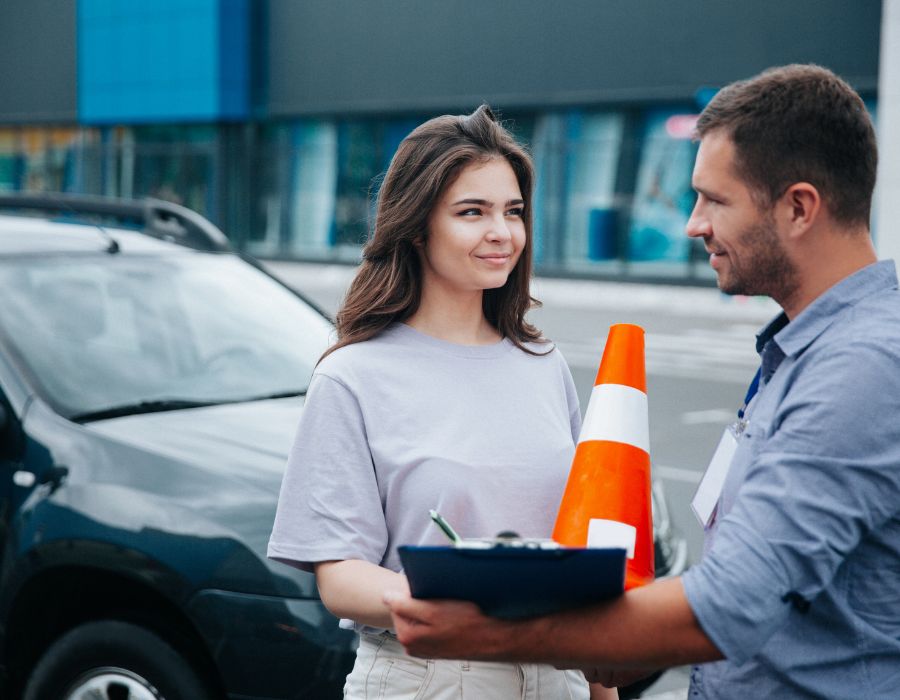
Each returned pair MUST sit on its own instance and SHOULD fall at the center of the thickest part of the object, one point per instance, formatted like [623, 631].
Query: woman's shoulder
[544, 349]
[347, 360]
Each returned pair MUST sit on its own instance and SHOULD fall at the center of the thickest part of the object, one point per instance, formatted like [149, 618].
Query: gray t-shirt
[403, 423]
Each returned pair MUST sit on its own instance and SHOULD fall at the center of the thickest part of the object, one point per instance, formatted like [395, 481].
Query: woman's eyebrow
[482, 202]
[485, 203]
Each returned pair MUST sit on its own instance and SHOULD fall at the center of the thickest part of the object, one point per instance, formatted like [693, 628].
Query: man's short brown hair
[799, 123]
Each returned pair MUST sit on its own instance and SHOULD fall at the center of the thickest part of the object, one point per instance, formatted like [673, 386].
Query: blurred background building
[275, 117]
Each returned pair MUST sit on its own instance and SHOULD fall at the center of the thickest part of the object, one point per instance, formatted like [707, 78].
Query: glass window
[172, 162]
[576, 160]
[548, 148]
[10, 159]
[591, 217]
[41, 159]
[663, 197]
[311, 187]
[319, 182]
[365, 149]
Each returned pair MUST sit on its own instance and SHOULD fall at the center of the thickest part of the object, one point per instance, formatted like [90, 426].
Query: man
[798, 593]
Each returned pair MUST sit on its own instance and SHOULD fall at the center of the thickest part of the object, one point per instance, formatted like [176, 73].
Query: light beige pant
[383, 671]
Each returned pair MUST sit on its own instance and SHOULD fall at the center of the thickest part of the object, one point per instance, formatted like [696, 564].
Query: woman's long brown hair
[388, 286]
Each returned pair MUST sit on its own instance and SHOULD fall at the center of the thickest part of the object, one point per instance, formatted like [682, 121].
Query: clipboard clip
[507, 539]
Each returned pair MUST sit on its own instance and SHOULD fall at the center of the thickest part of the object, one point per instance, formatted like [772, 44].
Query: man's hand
[449, 629]
[648, 627]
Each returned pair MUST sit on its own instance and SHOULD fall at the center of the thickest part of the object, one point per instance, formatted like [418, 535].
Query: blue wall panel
[166, 60]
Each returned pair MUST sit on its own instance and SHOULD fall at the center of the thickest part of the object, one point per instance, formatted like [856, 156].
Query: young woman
[437, 394]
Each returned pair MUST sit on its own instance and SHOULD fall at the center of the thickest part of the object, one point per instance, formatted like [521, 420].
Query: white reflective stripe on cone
[617, 413]
[612, 533]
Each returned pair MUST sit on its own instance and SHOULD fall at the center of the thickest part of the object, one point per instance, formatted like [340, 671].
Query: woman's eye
[516, 211]
[470, 212]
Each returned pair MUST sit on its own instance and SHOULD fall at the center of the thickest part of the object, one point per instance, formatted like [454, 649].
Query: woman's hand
[607, 678]
[353, 589]
[600, 692]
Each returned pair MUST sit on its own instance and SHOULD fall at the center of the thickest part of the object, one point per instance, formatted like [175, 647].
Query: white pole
[886, 216]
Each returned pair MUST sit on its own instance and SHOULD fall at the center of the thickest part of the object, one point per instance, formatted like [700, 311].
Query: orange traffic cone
[608, 491]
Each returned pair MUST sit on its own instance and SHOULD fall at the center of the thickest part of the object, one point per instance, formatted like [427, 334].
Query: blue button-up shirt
[799, 586]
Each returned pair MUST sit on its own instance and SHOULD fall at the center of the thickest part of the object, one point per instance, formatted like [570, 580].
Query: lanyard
[751, 392]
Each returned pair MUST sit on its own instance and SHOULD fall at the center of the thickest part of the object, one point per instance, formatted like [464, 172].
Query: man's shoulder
[871, 324]
[858, 356]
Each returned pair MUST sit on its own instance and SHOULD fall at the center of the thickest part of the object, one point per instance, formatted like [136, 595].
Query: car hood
[245, 443]
[205, 481]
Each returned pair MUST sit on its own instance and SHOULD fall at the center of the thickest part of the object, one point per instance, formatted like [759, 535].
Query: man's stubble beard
[765, 268]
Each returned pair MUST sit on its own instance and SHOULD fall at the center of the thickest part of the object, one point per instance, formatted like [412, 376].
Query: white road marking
[726, 354]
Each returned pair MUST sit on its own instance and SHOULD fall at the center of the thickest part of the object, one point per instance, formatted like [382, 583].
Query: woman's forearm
[599, 692]
[353, 589]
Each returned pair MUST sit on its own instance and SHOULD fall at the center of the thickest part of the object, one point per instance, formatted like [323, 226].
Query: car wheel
[112, 660]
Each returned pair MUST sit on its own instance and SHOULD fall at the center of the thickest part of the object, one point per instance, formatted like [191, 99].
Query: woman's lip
[494, 258]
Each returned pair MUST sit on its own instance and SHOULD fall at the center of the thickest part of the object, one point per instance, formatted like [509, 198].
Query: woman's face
[476, 232]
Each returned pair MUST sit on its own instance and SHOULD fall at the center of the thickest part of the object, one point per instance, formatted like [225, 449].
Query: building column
[886, 216]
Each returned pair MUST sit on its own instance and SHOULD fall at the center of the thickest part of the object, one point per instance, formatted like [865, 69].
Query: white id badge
[710, 488]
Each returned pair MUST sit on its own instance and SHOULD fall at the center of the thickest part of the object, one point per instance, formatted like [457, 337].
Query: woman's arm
[598, 692]
[353, 589]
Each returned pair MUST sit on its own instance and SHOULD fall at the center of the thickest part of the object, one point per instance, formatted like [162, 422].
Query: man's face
[745, 247]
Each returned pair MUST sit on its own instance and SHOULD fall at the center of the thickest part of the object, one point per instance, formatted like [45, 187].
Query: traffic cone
[609, 482]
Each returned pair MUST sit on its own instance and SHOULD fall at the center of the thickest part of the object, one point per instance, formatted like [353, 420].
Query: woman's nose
[499, 229]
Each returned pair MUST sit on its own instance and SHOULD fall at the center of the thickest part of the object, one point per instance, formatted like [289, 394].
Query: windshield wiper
[133, 409]
[276, 395]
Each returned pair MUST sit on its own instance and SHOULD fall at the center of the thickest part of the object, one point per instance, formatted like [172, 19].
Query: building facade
[276, 118]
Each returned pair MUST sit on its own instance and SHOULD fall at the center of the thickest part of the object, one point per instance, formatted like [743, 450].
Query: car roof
[28, 235]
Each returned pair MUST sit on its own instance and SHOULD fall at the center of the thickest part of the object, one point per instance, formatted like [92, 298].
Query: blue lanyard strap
[751, 392]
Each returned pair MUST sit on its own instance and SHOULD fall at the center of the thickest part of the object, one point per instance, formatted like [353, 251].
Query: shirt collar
[794, 336]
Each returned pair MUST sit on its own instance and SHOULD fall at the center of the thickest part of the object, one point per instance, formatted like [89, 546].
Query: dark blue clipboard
[515, 582]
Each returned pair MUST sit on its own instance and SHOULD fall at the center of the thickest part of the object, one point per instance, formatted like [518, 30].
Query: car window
[100, 332]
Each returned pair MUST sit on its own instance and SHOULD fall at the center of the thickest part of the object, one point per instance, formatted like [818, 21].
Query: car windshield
[115, 335]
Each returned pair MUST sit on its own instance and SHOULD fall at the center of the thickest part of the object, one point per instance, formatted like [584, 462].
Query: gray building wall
[38, 62]
[329, 56]
[355, 56]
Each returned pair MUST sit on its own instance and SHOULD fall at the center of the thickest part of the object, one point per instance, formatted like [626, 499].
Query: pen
[445, 526]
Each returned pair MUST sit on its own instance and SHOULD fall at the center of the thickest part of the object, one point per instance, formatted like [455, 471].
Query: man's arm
[649, 627]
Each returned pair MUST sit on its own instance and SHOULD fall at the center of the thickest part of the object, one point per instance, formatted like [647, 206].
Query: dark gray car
[150, 384]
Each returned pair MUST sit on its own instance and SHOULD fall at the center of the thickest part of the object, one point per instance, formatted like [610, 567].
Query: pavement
[328, 282]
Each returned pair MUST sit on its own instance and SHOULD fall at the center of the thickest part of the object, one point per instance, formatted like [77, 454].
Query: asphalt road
[700, 358]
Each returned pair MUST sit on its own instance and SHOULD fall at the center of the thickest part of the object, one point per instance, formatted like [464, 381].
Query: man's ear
[799, 208]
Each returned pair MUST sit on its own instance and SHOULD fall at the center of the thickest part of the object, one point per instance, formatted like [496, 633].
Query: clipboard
[515, 582]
